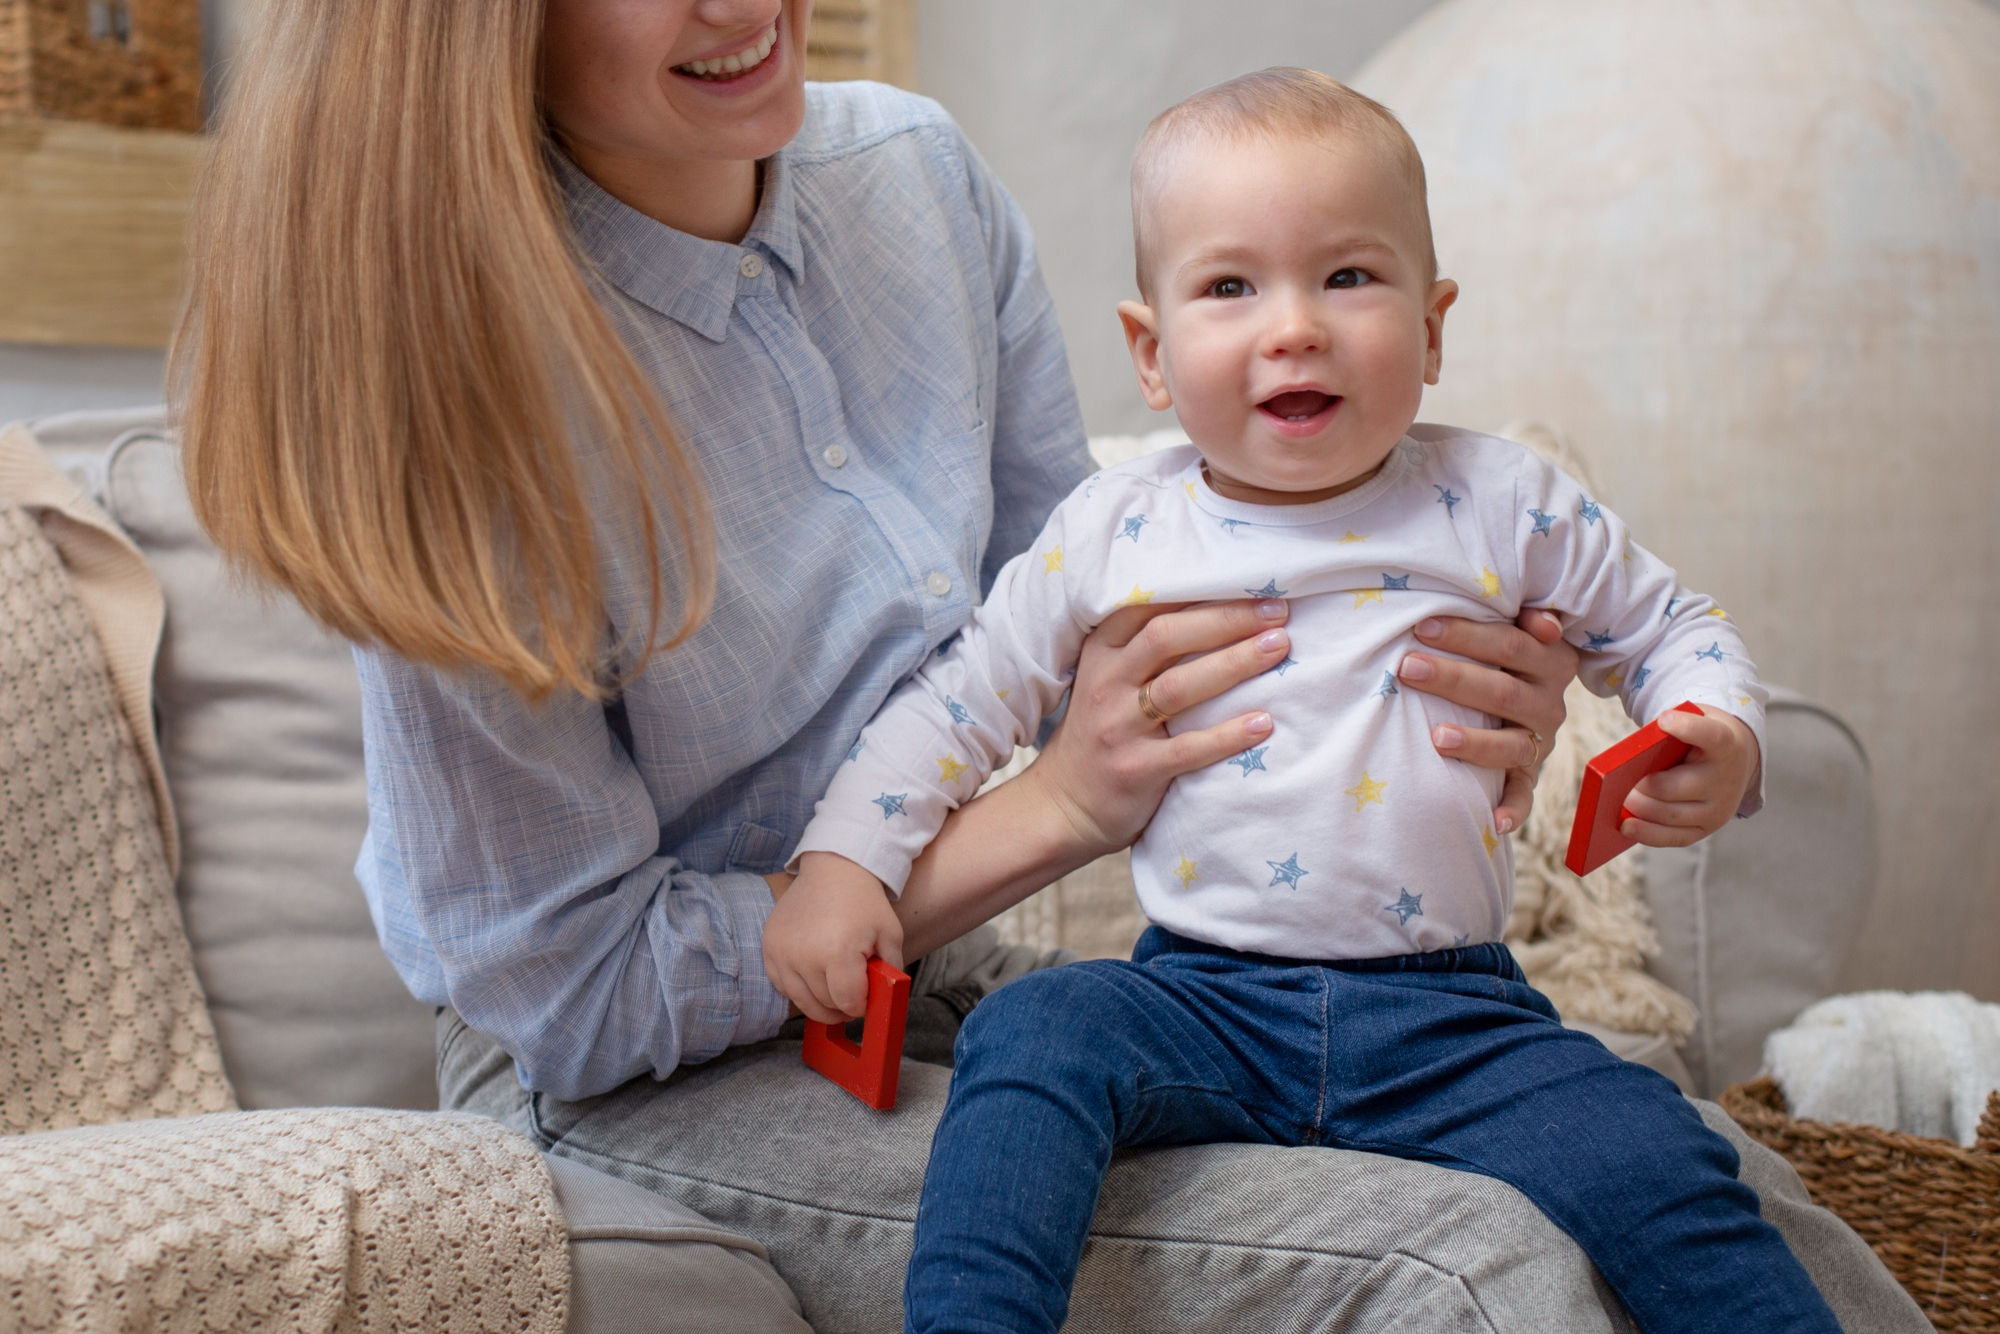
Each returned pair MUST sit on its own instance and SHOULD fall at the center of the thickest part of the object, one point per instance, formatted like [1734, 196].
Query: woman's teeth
[725, 67]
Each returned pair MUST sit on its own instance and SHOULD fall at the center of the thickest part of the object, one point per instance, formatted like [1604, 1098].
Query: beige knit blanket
[323, 1220]
[149, 1215]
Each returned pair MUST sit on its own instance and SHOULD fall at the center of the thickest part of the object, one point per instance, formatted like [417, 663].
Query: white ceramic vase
[1748, 254]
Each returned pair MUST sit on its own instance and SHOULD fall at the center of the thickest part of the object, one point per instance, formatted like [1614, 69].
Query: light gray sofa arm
[1757, 922]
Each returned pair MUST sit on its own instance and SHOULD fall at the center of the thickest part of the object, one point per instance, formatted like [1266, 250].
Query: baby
[1324, 966]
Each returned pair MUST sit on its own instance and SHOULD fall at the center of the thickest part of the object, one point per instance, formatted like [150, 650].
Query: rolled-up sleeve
[514, 869]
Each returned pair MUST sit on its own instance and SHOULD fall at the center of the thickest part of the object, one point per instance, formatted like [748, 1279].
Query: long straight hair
[389, 352]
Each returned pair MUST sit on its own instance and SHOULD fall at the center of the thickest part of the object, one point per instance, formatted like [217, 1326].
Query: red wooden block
[867, 1069]
[1607, 780]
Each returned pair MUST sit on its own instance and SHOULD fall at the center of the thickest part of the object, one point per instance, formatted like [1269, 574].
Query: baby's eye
[1348, 278]
[1228, 289]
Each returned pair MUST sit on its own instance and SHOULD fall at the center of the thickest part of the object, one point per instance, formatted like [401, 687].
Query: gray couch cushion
[260, 729]
[642, 1264]
[1756, 922]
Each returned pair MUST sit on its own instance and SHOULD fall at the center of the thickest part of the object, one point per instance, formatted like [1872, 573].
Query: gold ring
[1146, 705]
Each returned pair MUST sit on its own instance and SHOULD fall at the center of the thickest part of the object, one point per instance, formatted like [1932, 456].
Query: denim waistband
[1493, 957]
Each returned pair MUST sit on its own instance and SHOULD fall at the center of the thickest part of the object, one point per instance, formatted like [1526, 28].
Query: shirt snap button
[835, 456]
[939, 583]
[750, 266]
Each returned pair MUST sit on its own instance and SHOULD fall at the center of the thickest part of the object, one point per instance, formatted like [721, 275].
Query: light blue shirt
[875, 386]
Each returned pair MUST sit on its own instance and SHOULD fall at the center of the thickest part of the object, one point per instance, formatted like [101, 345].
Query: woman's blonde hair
[389, 350]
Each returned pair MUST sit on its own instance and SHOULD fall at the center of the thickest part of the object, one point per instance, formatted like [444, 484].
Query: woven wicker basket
[1929, 1208]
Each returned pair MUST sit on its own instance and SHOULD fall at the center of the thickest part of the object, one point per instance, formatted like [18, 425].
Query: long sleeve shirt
[874, 385]
[1345, 834]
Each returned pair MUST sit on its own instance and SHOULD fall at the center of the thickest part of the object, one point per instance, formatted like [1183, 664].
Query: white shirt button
[750, 266]
[939, 583]
[835, 456]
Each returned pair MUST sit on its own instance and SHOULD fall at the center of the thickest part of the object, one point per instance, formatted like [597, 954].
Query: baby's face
[1294, 321]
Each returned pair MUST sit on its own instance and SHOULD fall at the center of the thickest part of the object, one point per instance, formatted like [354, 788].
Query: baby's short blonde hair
[1270, 103]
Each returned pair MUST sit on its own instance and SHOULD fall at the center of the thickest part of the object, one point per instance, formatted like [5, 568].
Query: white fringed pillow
[101, 1016]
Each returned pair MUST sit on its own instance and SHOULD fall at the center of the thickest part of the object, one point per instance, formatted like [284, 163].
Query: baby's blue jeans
[1448, 1057]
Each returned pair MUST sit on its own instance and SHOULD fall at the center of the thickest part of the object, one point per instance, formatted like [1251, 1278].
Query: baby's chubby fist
[824, 928]
[1687, 803]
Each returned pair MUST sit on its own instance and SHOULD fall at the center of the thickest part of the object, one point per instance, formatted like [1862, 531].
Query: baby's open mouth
[734, 65]
[1298, 405]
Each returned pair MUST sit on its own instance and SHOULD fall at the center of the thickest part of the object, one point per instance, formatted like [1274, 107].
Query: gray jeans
[1222, 1237]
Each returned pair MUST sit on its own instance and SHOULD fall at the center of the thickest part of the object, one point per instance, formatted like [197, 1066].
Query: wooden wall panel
[91, 225]
[863, 39]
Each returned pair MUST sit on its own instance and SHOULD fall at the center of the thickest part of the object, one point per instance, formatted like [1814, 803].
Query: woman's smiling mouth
[734, 65]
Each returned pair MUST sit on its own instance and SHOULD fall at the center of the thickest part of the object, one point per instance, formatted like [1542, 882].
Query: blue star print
[1406, 906]
[1251, 759]
[1544, 523]
[1285, 666]
[1598, 639]
[1396, 582]
[892, 803]
[1287, 872]
[1639, 678]
[1668, 615]
[1446, 499]
[854, 751]
[959, 713]
[1712, 651]
[1269, 590]
[1591, 513]
[1388, 686]
[945, 647]
[1133, 524]
[1460, 942]
[1231, 525]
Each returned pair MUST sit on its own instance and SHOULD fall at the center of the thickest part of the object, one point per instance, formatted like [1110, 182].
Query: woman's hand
[1520, 673]
[1109, 763]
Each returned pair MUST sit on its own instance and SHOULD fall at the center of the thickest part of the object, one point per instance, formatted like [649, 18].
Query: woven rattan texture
[1929, 1208]
[320, 1220]
[101, 1016]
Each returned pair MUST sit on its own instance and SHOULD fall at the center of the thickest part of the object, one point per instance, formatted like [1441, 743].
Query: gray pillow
[260, 728]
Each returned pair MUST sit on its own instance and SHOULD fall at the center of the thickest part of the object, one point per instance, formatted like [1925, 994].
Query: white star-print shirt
[1344, 835]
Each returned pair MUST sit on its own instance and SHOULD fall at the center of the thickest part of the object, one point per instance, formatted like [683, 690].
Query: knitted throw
[313, 1221]
[101, 1016]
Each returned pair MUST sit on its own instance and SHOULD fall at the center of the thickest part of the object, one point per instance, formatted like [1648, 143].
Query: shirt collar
[687, 279]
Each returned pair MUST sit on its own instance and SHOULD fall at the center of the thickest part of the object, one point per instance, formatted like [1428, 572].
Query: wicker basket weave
[1929, 1208]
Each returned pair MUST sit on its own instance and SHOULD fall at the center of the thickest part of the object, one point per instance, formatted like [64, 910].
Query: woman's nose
[736, 13]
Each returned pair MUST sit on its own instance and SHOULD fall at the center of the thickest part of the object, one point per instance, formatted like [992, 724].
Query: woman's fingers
[1488, 747]
[1188, 751]
[1517, 799]
[1525, 678]
[1181, 687]
[1175, 630]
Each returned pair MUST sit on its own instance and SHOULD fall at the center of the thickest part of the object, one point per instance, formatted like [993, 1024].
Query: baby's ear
[1142, 338]
[1443, 292]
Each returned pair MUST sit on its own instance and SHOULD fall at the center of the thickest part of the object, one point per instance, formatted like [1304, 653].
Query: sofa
[257, 716]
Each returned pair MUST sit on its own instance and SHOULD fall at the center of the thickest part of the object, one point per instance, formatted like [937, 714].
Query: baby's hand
[1698, 796]
[822, 932]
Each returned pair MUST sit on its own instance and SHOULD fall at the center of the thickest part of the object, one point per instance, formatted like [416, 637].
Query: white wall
[1054, 94]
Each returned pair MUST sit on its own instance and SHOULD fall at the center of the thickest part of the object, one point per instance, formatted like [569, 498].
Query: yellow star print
[1185, 872]
[1052, 560]
[1353, 536]
[1717, 611]
[1138, 597]
[1367, 790]
[1362, 595]
[1486, 837]
[1489, 583]
[1002, 694]
[949, 768]
[1189, 488]
[1615, 680]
